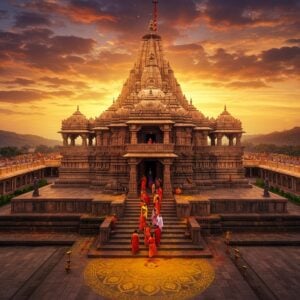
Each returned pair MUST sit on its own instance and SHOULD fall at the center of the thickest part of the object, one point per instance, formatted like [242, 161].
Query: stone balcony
[150, 148]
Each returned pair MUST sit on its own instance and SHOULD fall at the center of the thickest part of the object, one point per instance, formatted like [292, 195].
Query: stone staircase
[173, 241]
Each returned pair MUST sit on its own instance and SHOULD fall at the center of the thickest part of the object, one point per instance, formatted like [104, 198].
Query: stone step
[144, 253]
[162, 247]
[136, 219]
[128, 209]
[164, 241]
[137, 213]
[170, 230]
[166, 226]
[169, 222]
[165, 235]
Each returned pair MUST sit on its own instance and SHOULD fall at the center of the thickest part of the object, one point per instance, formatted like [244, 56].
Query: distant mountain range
[8, 138]
[289, 137]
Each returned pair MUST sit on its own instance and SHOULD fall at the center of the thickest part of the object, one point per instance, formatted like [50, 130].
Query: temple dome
[122, 113]
[76, 121]
[154, 106]
[226, 121]
[180, 112]
[196, 115]
[151, 93]
[106, 115]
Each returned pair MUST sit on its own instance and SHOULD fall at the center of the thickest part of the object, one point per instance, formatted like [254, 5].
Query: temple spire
[154, 17]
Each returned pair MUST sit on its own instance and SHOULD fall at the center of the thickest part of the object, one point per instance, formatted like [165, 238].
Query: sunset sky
[57, 54]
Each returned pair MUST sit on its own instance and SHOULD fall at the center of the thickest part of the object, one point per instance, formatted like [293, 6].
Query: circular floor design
[142, 279]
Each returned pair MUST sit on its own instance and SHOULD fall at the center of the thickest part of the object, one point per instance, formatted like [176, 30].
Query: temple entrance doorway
[150, 133]
[152, 169]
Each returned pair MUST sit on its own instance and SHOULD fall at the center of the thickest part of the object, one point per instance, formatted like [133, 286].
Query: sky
[57, 54]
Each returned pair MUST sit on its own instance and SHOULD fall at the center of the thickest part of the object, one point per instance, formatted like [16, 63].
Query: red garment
[160, 193]
[144, 184]
[135, 243]
[152, 247]
[145, 198]
[157, 233]
[147, 234]
[142, 222]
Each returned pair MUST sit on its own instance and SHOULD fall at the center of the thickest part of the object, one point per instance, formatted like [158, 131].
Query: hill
[289, 137]
[8, 138]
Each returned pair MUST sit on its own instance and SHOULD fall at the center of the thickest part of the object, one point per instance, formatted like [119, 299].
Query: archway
[150, 132]
[152, 169]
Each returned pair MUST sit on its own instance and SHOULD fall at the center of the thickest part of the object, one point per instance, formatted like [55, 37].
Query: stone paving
[234, 193]
[279, 268]
[71, 193]
[39, 272]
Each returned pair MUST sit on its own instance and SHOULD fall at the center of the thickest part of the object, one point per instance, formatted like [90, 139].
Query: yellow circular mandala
[137, 278]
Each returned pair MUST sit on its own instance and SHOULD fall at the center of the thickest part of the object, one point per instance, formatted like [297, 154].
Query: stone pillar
[65, 139]
[167, 186]
[84, 140]
[213, 140]
[204, 138]
[133, 134]
[166, 130]
[98, 138]
[230, 138]
[132, 192]
[90, 141]
[72, 141]
[219, 139]
[238, 140]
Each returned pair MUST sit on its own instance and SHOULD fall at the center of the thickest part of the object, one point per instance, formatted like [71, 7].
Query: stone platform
[69, 200]
[236, 200]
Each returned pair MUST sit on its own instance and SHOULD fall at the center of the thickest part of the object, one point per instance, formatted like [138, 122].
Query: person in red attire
[157, 233]
[152, 246]
[135, 242]
[145, 197]
[143, 183]
[143, 217]
[147, 234]
[156, 203]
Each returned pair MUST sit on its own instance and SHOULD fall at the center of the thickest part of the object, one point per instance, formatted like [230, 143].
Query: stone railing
[26, 167]
[150, 148]
[263, 163]
[232, 150]
[104, 232]
[195, 230]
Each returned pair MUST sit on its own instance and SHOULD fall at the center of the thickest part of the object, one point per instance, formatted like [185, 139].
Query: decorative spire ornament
[155, 14]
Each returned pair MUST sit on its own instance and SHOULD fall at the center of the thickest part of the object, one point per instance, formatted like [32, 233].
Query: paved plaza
[39, 272]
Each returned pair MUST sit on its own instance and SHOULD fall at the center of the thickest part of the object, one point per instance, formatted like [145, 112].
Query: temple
[152, 128]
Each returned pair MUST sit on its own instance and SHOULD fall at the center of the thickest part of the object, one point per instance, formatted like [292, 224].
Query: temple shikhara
[152, 130]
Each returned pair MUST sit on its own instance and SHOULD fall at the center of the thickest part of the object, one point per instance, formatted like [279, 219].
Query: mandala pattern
[139, 278]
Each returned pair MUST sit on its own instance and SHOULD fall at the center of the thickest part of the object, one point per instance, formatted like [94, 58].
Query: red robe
[147, 234]
[152, 247]
[142, 222]
[157, 233]
[145, 198]
[144, 184]
[135, 243]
